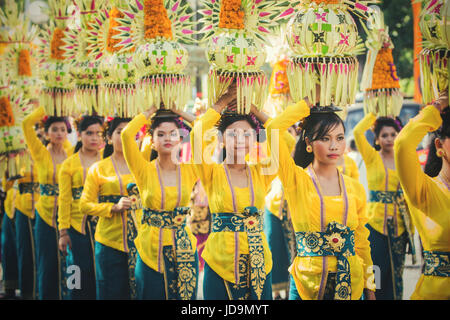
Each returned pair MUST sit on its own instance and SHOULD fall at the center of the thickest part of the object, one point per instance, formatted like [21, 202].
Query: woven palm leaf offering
[380, 82]
[156, 30]
[324, 39]
[117, 92]
[235, 33]
[57, 94]
[434, 57]
[84, 69]
[18, 34]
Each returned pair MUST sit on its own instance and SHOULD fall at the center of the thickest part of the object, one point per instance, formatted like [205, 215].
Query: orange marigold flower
[231, 15]
[56, 44]
[384, 72]
[6, 114]
[156, 20]
[24, 63]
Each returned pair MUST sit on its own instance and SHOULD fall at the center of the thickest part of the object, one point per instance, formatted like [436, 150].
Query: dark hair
[385, 122]
[84, 123]
[314, 127]
[434, 163]
[51, 120]
[158, 120]
[110, 127]
[228, 119]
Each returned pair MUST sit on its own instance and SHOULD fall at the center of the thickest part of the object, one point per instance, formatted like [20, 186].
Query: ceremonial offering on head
[380, 83]
[235, 33]
[57, 94]
[18, 84]
[324, 40]
[84, 69]
[434, 57]
[156, 30]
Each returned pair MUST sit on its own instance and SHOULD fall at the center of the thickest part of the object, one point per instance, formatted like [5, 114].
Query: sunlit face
[116, 139]
[57, 133]
[238, 139]
[166, 138]
[386, 138]
[91, 138]
[331, 147]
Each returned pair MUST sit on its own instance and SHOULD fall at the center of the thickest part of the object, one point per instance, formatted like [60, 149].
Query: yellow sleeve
[135, 160]
[65, 195]
[415, 183]
[353, 168]
[7, 184]
[362, 244]
[89, 198]
[202, 146]
[280, 154]
[368, 153]
[146, 147]
[68, 147]
[35, 146]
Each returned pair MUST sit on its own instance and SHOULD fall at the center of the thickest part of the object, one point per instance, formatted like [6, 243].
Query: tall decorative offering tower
[117, 88]
[57, 94]
[17, 85]
[235, 33]
[380, 82]
[324, 39]
[434, 58]
[155, 29]
[85, 70]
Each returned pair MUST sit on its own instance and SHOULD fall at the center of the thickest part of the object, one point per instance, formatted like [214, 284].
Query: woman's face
[116, 139]
[166, 138]
[331, 147]
[238, 139]
[57, 133]
[386, 138]
[91, 138]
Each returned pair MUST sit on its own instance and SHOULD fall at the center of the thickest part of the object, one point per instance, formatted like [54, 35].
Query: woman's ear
[438, 143]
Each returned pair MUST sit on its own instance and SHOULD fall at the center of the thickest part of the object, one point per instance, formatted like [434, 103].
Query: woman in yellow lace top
[328, 209]
[167, 263]
[429, 194]
[47, 161]
[389, 220]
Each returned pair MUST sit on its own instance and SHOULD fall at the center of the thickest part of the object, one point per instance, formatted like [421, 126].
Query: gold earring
[440, 152]
[309, 149]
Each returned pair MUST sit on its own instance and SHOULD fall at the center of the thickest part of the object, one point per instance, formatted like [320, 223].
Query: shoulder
[355, 187]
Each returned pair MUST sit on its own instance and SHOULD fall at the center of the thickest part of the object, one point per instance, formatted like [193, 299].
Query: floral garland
[114, 15]
[156, 20]
[56, 45]
[231, 15]
[6, 114]
[384, 71]
[24, 63]
[326, 1]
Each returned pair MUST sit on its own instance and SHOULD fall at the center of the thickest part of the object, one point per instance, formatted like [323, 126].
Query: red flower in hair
[109, 119]
[44, 119]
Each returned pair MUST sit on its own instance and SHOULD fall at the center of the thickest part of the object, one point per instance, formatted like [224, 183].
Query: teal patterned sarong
[251, 222]
[28, 187]
[185, 260]
[76, 193]
[49, 190]
[338, 240]
[437, 263]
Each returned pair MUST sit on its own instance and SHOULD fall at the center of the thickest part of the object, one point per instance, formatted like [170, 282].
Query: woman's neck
[165, 162]
[388, 154]
[89, 153]
[327, 171]
[56, 148]
[235, 165]
[117, 156]
[445, 171]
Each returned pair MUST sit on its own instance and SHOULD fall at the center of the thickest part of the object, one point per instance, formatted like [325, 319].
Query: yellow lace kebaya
[151, 239]
[349, 168]
[47, 169]
[429, 196]
[304, 203]
[378, 212]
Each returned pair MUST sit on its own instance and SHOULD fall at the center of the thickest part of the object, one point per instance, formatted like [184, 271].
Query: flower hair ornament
[235, 34]
[380, 82]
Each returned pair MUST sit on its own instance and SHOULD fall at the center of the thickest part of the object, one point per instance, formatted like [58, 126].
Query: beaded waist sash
[339, 241]
[76, 193]
[385, 196]
[437, 263]
[251, 222]
[184, 252]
